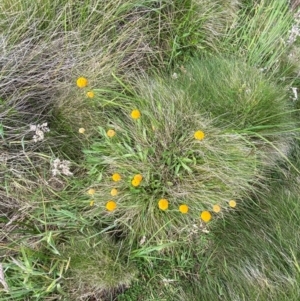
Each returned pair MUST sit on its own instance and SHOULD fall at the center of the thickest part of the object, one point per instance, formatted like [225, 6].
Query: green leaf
[1, 131]
[186, 167]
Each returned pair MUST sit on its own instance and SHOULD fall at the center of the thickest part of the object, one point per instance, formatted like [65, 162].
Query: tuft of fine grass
[260, 34]
[242, 98]
[190, 28]
[98, 268]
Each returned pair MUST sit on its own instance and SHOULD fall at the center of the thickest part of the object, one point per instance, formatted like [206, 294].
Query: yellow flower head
[205, 216]
[232, 203]
[135, 114]
[135, 183]
[111, 205]
[81, 131]
[114, 192]
[183, 208]
[110, 133]
[90, 94]
[163, 204]
[138, 177]
[116, 177]
[199, 135]
[216, 208]
[81, 82]
[91, 191]
[92, 203]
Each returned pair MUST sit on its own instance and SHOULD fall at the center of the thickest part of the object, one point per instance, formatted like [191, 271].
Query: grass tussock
[101, 258]
[243, 99]
[236, 95]
[155, 134]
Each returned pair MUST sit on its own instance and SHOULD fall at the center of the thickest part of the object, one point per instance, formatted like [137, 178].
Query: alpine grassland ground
[149, 150]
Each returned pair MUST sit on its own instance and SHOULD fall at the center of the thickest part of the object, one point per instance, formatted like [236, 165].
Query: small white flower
[295, 93]
[56, 162]
[40, 135]
[55, 172]
[32, 128]
[174, 75]
[61, 167]
[44, 127]
[143, 239]
[65, 168]
[39, 130]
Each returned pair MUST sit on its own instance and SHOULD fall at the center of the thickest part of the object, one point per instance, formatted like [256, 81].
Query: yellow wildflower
[199, 135]
[205, 216]
[91, 191]
[92, 203]
[111, 205]
[114, 192]
[116, 177]
[183, 208]
[110, 133]
[138, 177]
[216, 208]
[163, 204]
[135, 114]
[90, 94]
[81, 82]
[135, 183]
[232, 203]
[81, 131]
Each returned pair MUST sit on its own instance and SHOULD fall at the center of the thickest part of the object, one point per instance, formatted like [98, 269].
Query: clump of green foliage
[237, 96]
[154, 132]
